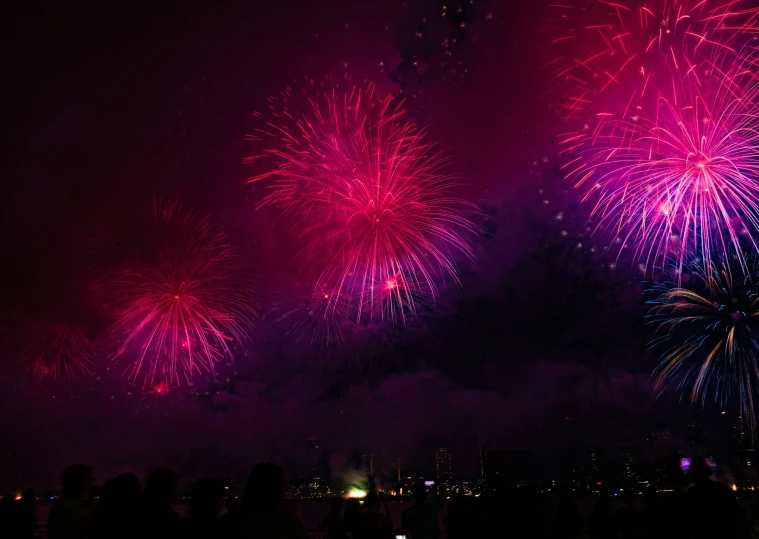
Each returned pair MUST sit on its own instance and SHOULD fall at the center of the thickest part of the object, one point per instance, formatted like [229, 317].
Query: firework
[708, 333]
[318, 318]
[606, 47]
[325, 316]
[370, 198]
[52, 349]
[180, 310]
[676, 174]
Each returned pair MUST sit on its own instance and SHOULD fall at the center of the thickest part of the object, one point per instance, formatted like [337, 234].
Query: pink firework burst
[675, 172]
[369, 196]
[180, 310]
[602, 47]
[53, 349]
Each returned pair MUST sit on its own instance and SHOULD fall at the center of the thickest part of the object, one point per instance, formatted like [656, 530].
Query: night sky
[542, 347]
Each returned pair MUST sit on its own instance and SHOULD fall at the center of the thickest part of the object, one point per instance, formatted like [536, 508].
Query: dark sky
[107, 107]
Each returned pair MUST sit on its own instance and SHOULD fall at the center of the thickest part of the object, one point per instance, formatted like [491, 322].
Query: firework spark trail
[608, 47]
[320, 317]
[370, 197]
[330, 316]
[54, 349]
[678, 174]
[708, 333]
[180, 312]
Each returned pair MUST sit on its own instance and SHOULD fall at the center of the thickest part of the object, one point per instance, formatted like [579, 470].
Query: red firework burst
[180, 310]
[52, 349]
[609, 46]
[370, 197]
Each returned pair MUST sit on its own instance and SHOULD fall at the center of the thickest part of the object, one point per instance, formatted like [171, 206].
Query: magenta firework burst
[369, 196]
[53, 349]
[181, 307]
[676, 174]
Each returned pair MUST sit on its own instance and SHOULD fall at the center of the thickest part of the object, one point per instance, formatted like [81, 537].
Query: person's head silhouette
[371, 502]
[352, 506]
[419, 492]
[205, 501]
[336, 505]
[126, 487]
[266, 484]
[700, 470]
[159, 487]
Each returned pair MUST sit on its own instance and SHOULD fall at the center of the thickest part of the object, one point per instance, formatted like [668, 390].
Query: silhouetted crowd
[125, 510]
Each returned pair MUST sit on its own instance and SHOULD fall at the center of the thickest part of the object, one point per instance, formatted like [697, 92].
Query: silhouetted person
[158, 517]
[461, 518]
[754, 516]
[8, 516]
[6, 511]
[373, 523]
[70, 515]
[630, 518]
[420, 520]
[496, 518]
[24, 517]
[601, 521]
[229, 518]
[263, 514]
[118, 515]
[657, 517]
[568, 522]
[528, 515]
[203, 516]
[352, 515]
[710, 507]
[334, 524]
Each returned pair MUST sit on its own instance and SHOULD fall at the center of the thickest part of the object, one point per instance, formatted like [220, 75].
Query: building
[694, 434]
[629, 471]
[484, 444]
[443, 468]
[317, 469]
[594, 472]
[367, 463]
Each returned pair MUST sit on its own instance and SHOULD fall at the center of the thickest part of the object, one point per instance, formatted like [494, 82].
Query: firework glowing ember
[370, 198]
[52, 349]
[181, 310]
[708, 331]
